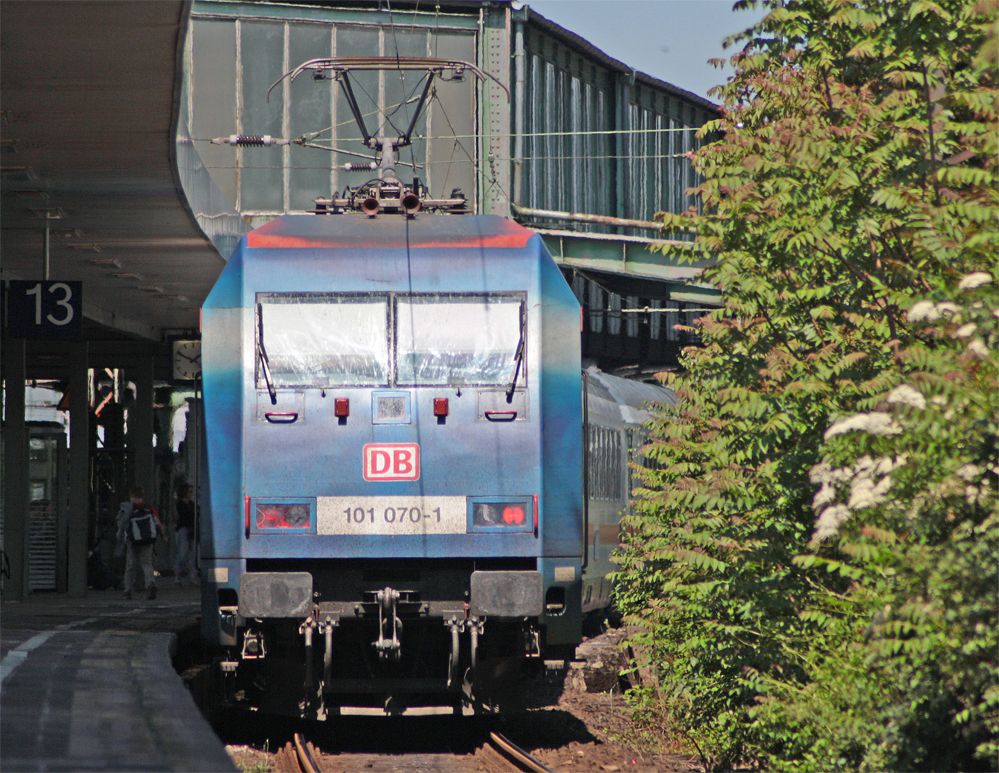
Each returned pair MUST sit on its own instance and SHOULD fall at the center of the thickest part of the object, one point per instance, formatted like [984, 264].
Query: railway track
[497, 755]
[519, 758]
[299, 756]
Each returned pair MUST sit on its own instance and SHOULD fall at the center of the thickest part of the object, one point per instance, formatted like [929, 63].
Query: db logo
[392, 461]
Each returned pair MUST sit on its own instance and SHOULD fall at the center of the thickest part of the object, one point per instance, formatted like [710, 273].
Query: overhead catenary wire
[432, 138]
[602, 131]
[449, 162]
[435, 99]
[652, 310]
[649, 309]
[500, 135]
[478, 169]
[494, 135]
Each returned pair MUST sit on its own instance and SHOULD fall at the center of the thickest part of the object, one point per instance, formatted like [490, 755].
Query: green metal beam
[495, 116]
[274, 11]
[630, 256]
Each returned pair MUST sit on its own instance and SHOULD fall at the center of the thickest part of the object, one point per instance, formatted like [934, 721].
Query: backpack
[141, 526]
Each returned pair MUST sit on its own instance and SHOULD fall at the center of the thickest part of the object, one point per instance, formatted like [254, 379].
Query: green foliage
[252, 766]
[849, 212]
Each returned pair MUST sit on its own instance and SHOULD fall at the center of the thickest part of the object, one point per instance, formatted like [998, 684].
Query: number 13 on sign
[67, 308]
[44, 309]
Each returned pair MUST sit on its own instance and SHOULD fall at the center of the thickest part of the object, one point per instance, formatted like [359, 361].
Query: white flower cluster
[978, 490]
[978, 348]
[906, 395]
[873, 423]
[969, 472]
[977, 279]
[829, 521]
[930, 312]
[869, 482]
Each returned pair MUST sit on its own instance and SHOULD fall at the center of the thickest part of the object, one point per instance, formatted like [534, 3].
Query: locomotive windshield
[457, 341]
[325, 340]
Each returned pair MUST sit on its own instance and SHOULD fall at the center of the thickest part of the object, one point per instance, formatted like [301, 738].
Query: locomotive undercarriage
[389, 648]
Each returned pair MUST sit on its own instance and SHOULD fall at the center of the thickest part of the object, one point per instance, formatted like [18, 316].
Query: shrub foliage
[812, 567]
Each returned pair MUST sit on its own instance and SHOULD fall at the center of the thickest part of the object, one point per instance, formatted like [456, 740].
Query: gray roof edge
[614, 64]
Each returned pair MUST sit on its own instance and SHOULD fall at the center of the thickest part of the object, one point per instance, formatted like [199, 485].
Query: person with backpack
[138, 528]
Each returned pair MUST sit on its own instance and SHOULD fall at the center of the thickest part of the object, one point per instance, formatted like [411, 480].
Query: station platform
[87, 684]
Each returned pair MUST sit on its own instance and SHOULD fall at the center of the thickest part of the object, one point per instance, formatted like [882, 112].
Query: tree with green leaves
[812, 567]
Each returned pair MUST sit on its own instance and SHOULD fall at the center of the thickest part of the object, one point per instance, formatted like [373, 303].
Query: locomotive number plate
[391, 515]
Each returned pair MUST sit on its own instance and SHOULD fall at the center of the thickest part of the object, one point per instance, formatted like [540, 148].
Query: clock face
[186, 359]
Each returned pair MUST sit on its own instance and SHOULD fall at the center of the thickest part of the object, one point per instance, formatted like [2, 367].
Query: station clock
[186, 360]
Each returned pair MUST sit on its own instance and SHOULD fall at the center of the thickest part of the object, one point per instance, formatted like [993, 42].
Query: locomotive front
[393, 516]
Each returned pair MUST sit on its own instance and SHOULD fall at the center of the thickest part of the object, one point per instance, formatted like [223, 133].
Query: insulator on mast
[249, 140]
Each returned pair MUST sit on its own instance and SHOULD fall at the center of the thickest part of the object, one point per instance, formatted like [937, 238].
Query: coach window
[605, 463]
[321, 341]
[462, 340]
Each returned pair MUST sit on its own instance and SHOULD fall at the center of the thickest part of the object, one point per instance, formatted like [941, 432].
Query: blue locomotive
[394, 489]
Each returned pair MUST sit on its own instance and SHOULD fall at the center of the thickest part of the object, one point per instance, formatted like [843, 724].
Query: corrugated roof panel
[631, 397]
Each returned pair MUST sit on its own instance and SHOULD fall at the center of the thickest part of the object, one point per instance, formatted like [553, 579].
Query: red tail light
[283, 515]
[501, 514]
[440, 406]
[341, 407]
[513, 515]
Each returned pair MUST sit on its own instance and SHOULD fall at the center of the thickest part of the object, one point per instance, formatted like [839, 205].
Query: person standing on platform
[186, 518]
[138, 528]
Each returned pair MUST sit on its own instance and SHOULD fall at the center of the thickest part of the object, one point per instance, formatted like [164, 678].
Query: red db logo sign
[391, 461]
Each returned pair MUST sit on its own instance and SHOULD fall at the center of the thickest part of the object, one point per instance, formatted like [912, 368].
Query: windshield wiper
[262, 354]
[518, 359]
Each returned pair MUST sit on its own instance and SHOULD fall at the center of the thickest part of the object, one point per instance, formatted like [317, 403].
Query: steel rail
[305, 759]
[518, 755]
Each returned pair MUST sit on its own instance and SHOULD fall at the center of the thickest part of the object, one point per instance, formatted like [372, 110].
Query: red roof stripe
[255, 240]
